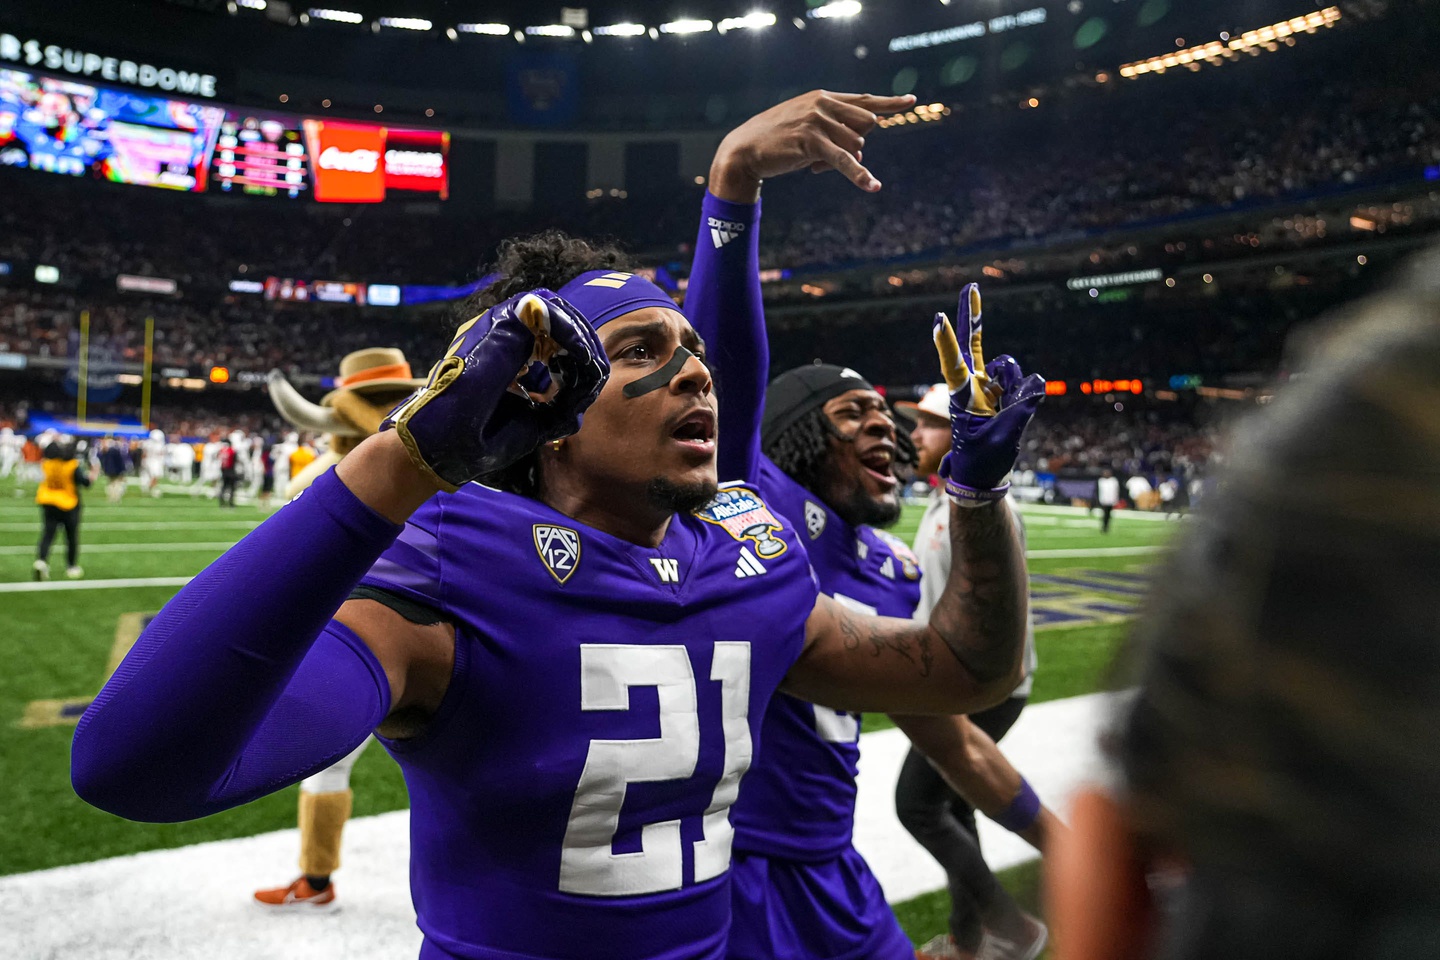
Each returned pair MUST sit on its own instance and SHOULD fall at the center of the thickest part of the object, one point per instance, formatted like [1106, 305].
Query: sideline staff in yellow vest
[59, 500]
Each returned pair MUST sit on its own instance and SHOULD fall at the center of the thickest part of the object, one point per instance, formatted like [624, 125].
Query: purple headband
[603, 295]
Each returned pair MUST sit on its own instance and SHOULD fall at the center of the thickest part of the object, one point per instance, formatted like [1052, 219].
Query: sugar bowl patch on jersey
[909, 562]
[742, 514]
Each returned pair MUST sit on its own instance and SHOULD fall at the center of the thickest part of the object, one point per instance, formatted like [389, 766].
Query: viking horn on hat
[299, 412]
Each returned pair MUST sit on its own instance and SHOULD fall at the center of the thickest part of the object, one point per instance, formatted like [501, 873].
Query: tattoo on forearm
[981, 615]
[912, 642]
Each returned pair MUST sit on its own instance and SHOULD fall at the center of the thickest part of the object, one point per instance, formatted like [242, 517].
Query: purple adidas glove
[519, 375]
[990, 405]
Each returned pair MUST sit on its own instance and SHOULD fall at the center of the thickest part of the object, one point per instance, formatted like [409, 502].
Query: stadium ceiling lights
[687, 26]
[621, 30]
[251, 4]
[405, 23]
[486, 29]
[839, 8]
[751, 21]
[558, 30]
[338, 16]
[1251, 42]
[923, 113]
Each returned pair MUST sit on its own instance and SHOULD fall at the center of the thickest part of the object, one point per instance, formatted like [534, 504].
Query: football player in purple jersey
[571, 663]
[824, 452]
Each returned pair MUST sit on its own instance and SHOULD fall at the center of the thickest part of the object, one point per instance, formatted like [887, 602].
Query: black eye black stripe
[660, 377]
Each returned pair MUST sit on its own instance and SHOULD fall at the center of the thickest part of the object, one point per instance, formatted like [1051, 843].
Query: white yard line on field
[139, 525]
[49, 585]
[130, 548]
[31, 587]
[1081, 552]
[1040, 510]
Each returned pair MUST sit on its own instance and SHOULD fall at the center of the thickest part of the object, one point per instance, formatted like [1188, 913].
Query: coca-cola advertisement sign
[355, 161]
[345, 161]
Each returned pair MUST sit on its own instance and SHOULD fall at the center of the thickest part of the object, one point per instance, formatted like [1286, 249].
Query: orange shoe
[298, 897]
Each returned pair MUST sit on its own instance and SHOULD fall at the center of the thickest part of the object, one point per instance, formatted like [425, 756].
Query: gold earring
[557, 444]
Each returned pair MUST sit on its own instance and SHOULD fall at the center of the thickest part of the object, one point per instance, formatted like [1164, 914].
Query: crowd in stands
[1046, 172]
[1155, 334]
[984, 174]
[1150, 442]
[248, 334]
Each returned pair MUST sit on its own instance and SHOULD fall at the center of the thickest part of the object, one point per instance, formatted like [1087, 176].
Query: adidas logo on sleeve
[748, 565]
[723, 231]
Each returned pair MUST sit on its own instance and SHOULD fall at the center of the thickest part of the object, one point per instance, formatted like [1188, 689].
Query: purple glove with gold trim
[990, 405]
[519, 375]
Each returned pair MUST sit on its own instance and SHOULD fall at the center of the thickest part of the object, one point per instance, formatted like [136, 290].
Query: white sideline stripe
[130, 547]
[49, 585]
[1127, 514]
[1062, 552]
[135, 525]
[195, 901]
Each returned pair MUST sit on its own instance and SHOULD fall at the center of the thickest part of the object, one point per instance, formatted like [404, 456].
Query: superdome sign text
[33, 53]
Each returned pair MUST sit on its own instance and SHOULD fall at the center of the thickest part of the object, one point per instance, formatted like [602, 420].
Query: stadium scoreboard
[260, 155]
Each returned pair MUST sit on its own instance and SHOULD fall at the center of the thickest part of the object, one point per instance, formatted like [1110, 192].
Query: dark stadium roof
[970, 50]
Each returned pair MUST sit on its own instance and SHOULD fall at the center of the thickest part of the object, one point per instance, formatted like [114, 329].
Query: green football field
[60, 641]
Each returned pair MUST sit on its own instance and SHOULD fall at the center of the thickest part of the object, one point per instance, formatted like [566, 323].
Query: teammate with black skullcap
[824, 452]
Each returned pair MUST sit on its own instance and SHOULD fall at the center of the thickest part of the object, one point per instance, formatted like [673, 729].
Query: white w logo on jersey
[667, 569]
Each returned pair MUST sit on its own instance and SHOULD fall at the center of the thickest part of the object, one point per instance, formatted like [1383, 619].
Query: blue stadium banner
[542, 88]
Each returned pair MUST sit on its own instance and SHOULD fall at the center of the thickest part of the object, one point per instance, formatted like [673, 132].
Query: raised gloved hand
[990, 404]
[519, 375]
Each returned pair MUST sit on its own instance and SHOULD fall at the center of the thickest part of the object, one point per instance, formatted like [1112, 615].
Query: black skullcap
[796, 392]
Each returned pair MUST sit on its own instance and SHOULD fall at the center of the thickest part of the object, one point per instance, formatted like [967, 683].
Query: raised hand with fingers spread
[990, 405]
[819, 130]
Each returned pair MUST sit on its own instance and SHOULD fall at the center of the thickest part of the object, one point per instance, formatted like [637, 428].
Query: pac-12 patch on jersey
[559, 548]
[814, 519]
[744, 516]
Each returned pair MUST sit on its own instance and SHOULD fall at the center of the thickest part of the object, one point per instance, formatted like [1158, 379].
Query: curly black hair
[551, 259]
[802, 449]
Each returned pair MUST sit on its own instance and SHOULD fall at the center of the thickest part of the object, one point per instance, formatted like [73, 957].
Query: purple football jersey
[571, 795]
[799, 797]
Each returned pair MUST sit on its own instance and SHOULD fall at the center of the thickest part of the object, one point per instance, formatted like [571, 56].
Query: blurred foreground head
[1278, 770]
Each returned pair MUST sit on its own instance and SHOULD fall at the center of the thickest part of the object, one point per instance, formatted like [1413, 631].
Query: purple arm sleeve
[243, 684]
[724, 305]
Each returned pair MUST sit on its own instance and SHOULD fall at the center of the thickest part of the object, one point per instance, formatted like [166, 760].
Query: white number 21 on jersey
[588, 863]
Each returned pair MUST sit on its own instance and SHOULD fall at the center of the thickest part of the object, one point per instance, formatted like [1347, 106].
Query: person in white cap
[936, 815]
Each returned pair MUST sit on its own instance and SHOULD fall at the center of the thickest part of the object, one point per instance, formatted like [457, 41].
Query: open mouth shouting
[879, 462]
[695, 432]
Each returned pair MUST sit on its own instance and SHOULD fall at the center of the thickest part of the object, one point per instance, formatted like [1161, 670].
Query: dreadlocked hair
[801, 450]
[550, 259]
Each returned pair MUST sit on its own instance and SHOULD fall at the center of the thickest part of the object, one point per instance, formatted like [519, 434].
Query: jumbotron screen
[73, 128]
[61, 126]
